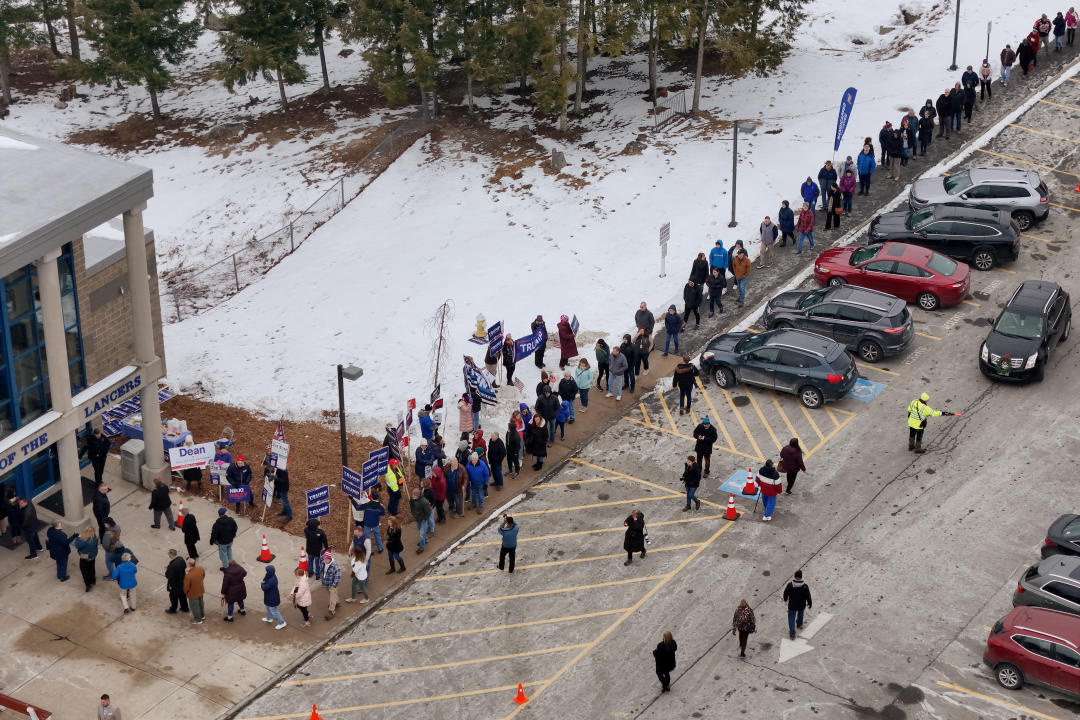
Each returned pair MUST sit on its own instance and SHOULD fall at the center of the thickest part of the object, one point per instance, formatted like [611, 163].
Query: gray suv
[1053, 583]
[1019, 192]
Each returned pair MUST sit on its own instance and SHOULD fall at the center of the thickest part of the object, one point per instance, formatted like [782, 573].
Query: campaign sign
[351, 482]
[268, 490]
[191, 456]
[238, 494]
[369, 472]
[383, 456]
[217, 473]
[526, 346]
[318, 502]
[279, 454]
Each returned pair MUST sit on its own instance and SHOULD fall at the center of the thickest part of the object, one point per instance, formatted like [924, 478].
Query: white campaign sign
[191, 456]
[279, 449]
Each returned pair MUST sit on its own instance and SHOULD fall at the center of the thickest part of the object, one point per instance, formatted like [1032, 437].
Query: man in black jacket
[705, 436]
[691, 296]
[239, 474]
[281, 489]
[101, 507]
[683, 379]
[160, 503]
[315, 542]
[944, 114]
[547, 407]
[97, 449]
[797, 597]
[644, 318]
[174, 583]
[956, 106]
[222, 534]
[568, 392]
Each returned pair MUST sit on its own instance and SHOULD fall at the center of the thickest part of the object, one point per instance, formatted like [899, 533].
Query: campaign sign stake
[318, 502]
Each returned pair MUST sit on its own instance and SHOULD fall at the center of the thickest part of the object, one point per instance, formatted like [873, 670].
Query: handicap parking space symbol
[735, 484]
[865, 390]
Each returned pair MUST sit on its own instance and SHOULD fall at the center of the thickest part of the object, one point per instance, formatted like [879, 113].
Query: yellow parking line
[1025, 162]
[813, 424]
[475, 631]
[875, 368]
[1034, 237]
[686, 437]
[543, 486]
[783, 415]
[1002, 703]
[517, 596]
[607, 503]
[928, 337]
[761, 416]
[1005, 270]
[646, 483]
[1065, 207]
[620, 528]
[399, 703]
[1067, 107]
[738, 416]
[830, 434]
[716, 415]
[645, 413]
[1041, 132]
[972, 303]
[1072, 79]
[832, 416]
[440, 666]
[693, 417]
[667, 412]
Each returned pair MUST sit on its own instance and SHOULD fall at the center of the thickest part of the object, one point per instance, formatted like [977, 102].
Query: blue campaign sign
[846, 103]
[318, 502]
[735, 484]
[238, 494]
[318, 509]
[526, 346]
[351, 482]
[383, 456]
[865, 390]
[370, 473]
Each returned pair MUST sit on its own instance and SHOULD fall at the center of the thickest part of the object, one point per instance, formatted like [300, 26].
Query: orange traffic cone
[520, 698]
[180, 515]
[314, 713]
[731, 513]
[750, 488]
[303, 559]
[264, 553]
[1077, 187]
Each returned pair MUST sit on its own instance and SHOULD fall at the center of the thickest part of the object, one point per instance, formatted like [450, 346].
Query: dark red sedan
[911, 273]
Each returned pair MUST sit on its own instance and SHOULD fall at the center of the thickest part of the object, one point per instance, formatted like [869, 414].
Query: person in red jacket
[768, 481]
[791, 462]
[567, 343]
[805, 227]
[438, 487]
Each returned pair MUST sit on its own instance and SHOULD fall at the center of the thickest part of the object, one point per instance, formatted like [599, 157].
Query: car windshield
[942, 265]
[1020, 325]
[814, 298]
[751, 343]
[864, 254]
[958, 183]
[919, 218]
[1072, 529]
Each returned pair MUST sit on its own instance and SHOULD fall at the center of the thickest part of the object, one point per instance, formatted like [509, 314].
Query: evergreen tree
[73, 28]
[264, 39]
[397, 33]
[48, 11]
[134, 41]
[470, 33]
[17, 18]
[319, 17]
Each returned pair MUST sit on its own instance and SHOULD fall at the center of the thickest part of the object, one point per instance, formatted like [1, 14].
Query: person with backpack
[743, 623]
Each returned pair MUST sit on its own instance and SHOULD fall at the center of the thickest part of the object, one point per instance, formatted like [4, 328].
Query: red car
[1037, 646]
[911, 273]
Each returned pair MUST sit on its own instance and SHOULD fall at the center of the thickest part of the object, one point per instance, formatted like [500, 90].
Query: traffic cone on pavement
[180, 515]
[520, 698]
[264, 553]
[314, 713]
[1077, 187]
[303, 559]
[750, 488]
[731, 513]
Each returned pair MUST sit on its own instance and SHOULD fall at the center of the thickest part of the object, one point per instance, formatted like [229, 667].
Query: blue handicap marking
[865, 390]
[734, 485]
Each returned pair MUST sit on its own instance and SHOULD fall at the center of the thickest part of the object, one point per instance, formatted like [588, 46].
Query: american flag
[475, 382]
[436, 398]
[519, 385]
[279, 433]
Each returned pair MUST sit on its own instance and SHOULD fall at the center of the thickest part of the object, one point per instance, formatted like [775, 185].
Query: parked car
[981, 238]
[911, 273]
[815, 368]
[1019, 192]
[1051, 583]
[1063, 537]
[1037, 646]
[873, 324]
[1037, 318]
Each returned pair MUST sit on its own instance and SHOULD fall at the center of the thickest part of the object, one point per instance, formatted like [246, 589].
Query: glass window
[908, 270]
[1072, 530]
[749, 343]
[941, 227]
[67, 278]
[1066, 655]
[794, 358]
[881, 266]
[858, 314]
[19, 298]
[1035, 645]
[44, 468]
[919, 218]
[825, 310]
[865, 253]
[32, 404]
[1063, 590]
[764, 355]
[814, 298]
[24, 335]
[67, 306]
[1015, 324]
[27, 371]
[972, 230]
[942, 265]
[7, 424]
[77, 376]
[958, 182]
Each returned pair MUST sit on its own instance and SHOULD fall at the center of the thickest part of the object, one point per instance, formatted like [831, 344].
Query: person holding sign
[239, 475]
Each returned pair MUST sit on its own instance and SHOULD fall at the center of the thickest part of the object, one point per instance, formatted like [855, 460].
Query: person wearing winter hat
[239, 475]
[538, 356]
[567, 343]
[883, 135]
[478, 473]
[866, 165]
[704, 437]
[315, 541]
[986, 79]
[222, 534]
[272, 598]
[673, 325]
[331, 578]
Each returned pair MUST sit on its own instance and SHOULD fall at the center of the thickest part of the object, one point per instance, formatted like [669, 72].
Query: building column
[56, 358]
[142, 322]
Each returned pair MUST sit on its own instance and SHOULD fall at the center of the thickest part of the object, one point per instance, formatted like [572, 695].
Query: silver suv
[1053, 583]
[1019, 192]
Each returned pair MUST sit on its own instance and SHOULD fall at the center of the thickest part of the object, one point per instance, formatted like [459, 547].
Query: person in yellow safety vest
[393, 478]
[918, 411]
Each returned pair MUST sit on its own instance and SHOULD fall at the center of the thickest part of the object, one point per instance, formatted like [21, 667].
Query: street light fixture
[345, 373]
[746, 127]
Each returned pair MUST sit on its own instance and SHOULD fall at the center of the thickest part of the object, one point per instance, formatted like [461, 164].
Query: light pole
[345, 373]
[956, 36]
[746, 127]
[989, 26]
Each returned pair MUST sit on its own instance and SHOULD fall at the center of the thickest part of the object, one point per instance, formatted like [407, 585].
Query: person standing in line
[847, 188]
[718, 257]
[465, 416]
[1071, 21]
[704, 438]
[194, 590]
[222, 534]
[929, 108]
[108, 711]
[301, 595]
[691, 301]
[618, 367]
[626, 349]
[359, 562]
[808, 191]
[508, 359]
[805, 225]
[836, 207]
[926, 131]
[691, 480]
[642, 345]
[239, 475]
[124, 575]
[603, 356]
[281, 488]
[797, 597]
[497, 453]
[331, 578]
[513, 441]
[883, 135]
[634, 537]
[866, 165]
[664, 655]
[393, 478]
[97, 450]
[741, 268]
[174, 583]
[101, 507]
[743, 623]
[907, 141]
[1008, 57]
[892, 143]
[791, 462]
[969, 94]
[509, 532]
[233, 589]
[716, 285]
[536, 439]
[769, 484]
[826, 178]
[476, 406]
[567, 342]
[454, 500]
[683, 379]
[373, 513]
[986, 79]
[785, 218]
[583, 377]
[479, 475]
[1043, 27]
[699, 269]
[673, 325]
[428, 494]
[547, 407]
[1025, 55]
[86, 545]
[767, 233]
[421, 512]
[538, 356]
[957, 98]
[59, 546]
[29, 528]
[438, 491]
[394, 546]
[271, 598]
[111, 545]
[944, 112]
[1059, 31]
[161, 504]
[644, 319]
[561, 417]
[567, 393]
[315, 541]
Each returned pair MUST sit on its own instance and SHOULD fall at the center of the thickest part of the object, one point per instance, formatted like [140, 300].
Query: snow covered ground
[436, 226]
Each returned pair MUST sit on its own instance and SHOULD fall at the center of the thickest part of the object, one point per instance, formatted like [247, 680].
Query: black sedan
[1063, 537]
[813, 367]
[980, 237]
[1033, 323]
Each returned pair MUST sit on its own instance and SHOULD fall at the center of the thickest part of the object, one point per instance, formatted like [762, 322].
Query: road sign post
[665, 235]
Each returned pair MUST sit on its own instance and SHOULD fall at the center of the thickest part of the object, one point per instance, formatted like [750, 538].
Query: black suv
[1036, 318]
[813, 367]
[871, 323]
[1063, 536]
[979, 237]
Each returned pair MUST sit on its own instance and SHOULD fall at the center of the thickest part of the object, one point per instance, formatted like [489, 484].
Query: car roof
[801, 340]
[1033, 295]
[865, 297]
[1061, 566]
[1003, 175]
[905, 251]
[958, 211]
[1052, 623]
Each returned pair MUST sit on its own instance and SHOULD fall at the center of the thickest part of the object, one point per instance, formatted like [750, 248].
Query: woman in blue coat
[124, 575]
[866, 164]
[808, 191]
[272, 598]
[786, 220]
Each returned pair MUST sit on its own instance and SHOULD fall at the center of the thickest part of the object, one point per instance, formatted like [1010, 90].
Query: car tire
[1040, 370]
[723, 377]
[835, 281]
[1024, 220]
[781, 325]
[1009, 676]
[811, 397]
[928, 301]
[870, 351]
[1068, 329]
[983, 258]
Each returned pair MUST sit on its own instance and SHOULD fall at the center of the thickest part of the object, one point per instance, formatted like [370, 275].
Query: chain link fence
[190, 290]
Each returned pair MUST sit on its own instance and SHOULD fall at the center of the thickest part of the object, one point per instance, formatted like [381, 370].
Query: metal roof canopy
[51, 194]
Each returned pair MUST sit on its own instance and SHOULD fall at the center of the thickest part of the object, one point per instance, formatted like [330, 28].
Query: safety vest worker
[918, 412]
[393, 478]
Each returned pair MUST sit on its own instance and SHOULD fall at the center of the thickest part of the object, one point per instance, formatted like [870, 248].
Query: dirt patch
[33, 72]
[514, 150]
[139, 132]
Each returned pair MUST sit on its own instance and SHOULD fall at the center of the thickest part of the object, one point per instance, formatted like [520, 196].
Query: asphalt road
[910, 557]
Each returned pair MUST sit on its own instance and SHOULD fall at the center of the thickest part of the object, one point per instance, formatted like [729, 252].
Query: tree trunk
[73, 30]
[562, 74]
[154, 107]
[755, 17]
[582, 55]
[322, 60]
[5, 71]
[523, 83]
[654, 43]
[47, 18]
[592, 16]
[281, 90]
[468, 91]
[700, 58]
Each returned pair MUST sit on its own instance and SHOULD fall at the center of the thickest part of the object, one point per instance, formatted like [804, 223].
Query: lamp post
[956, 36]
[746, 127]
[345, 373]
